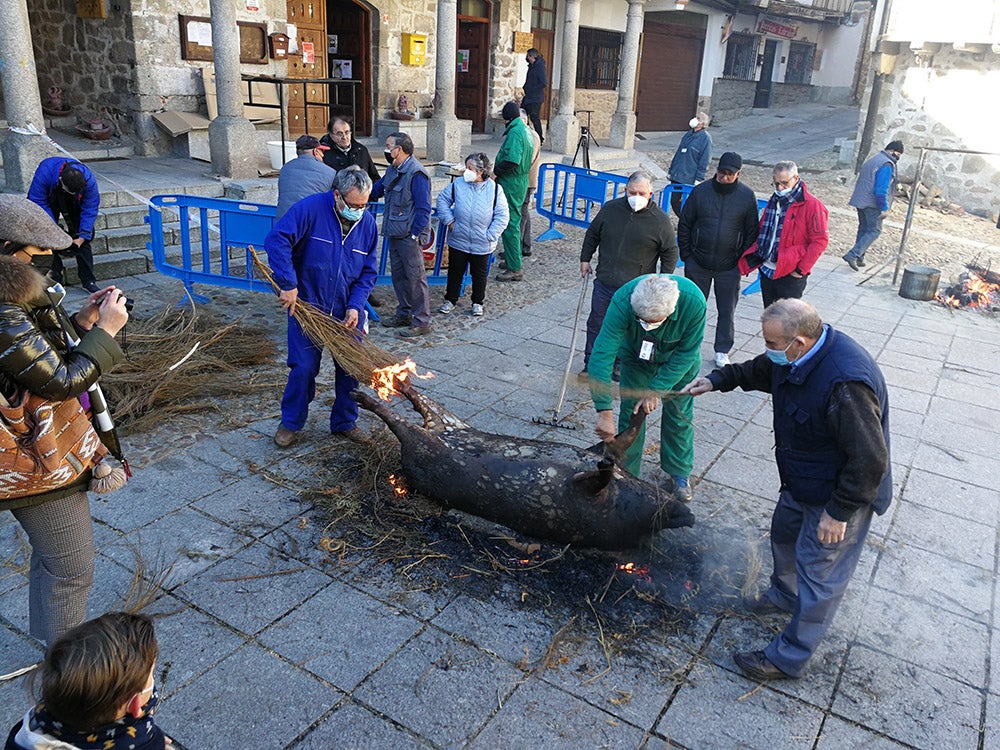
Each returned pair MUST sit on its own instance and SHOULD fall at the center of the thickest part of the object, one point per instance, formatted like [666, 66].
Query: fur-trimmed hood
[20, 283]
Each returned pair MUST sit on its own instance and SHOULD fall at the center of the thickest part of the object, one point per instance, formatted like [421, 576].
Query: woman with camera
[38, 368]
[476, 213]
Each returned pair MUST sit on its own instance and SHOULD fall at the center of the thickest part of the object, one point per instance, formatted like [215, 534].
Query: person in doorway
[873, 195]
[631, 235]
[718, 223]
[690, 161]
[344, 151]
[831, 435]
[324, 251]
[66, 188]
[407, 221]
[304, 175]
[534, 89]
[475, 212]
[513, 167]
[536, 159]
[655, 325]
[791, 236]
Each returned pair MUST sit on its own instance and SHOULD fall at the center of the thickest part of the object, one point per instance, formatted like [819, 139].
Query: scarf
[42, 730]
[771, 225]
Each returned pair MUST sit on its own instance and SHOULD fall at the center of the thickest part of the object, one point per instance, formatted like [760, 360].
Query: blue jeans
[809, 578]
[303, 363]
[869, 228]
[599, 302]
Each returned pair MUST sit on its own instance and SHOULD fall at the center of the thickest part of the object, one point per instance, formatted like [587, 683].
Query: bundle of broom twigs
[348, 345]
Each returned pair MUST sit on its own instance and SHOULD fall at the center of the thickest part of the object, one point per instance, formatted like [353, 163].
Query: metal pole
[914, 196]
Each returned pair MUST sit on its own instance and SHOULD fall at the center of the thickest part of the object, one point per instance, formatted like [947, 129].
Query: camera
[129, 303]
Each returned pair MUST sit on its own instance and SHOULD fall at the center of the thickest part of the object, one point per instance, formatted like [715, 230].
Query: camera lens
[129, 304]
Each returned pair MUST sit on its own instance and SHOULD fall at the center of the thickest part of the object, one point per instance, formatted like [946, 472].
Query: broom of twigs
[348, 345]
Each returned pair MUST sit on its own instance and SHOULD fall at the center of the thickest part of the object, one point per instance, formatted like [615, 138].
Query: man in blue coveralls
[323, 251]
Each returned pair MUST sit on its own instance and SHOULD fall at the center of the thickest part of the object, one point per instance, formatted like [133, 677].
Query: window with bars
[741, 57]
[599, 53]
[800, 62]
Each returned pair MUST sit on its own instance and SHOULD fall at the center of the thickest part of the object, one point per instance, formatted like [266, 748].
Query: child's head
[100, 671]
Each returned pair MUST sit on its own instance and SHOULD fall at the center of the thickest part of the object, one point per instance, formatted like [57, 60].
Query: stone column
[22, 102]
[232, 139]
[564, 129]
[623, 120]
[444, 131]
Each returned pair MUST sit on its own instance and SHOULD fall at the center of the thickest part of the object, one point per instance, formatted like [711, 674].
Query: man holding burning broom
[324, 252]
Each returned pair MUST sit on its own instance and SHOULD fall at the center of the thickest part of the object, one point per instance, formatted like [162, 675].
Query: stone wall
[945, 99]
[90, 59]
[392, 78]
[604, 104]
[733, 98]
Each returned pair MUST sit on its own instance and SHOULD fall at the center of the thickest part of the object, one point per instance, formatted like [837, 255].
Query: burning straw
[348, 345]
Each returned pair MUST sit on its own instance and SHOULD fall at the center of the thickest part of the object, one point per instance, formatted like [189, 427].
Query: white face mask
[693, 122]
[783, 193]
[469, 176]
[647, 326]
[638, 202]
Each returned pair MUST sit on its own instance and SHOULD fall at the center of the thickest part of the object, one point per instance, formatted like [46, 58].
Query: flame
[974, 290]
[392, 380]
[398, 485]
[640, 571]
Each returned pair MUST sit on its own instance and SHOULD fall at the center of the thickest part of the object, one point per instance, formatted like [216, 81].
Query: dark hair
[93, 670]
[73, 180]
[339, 118]
[482, 162]
[533, 52]
[403, 141]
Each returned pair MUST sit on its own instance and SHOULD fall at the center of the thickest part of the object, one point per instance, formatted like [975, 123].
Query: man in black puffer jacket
[718, 223]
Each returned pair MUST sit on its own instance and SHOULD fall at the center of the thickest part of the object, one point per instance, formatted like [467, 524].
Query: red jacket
[804, 237]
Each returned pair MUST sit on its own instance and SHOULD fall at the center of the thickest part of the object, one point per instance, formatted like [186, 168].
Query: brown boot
[511, 276]
[284, 437]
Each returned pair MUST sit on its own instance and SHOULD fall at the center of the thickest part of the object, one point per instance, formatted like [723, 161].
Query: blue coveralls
[308, 250]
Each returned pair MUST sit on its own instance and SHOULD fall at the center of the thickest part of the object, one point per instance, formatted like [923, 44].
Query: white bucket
[274, 151]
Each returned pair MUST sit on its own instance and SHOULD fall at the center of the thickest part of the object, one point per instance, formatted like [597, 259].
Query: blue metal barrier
[570, 194]
[235, 226]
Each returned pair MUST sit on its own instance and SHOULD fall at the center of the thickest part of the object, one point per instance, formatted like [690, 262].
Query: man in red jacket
[792, 235]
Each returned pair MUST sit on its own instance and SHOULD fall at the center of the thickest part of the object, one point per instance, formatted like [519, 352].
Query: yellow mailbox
[414, 49]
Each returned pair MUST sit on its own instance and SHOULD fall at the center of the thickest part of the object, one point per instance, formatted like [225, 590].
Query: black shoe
[761, 606]
[616, 373]
[755, 665]
[374, 301]
[397, 322]
[861, 263]
[415, 331]
[91, 286]
[526, 253]
[851, 261]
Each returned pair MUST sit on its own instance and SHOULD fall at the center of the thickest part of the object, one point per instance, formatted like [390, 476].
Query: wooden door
[762, 94]
[309, 18]
[472, 77]
[668, 76]
[350, 23]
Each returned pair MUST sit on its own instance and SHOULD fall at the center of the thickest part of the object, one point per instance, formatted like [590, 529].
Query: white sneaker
[446, 308]
[477, 310]
[721, 359]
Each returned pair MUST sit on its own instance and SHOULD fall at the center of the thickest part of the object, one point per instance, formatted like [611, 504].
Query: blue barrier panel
[754, 286]
[221, 223]
[570, 194]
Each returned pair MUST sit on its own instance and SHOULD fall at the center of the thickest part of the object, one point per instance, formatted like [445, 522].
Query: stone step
[116, 217]
[112, 266]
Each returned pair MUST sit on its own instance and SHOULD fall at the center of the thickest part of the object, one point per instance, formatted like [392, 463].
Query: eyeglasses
[340, 133]
[355, 206]
[785, 184]
[726, 173]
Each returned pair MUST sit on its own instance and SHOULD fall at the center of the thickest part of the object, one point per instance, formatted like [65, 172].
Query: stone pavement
[271, 646]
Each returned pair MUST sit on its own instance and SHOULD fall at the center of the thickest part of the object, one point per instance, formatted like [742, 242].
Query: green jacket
[517, 148]
[676, 355]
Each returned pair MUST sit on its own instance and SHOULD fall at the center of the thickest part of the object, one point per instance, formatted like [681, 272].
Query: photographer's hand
[89, 313]
[112, 315]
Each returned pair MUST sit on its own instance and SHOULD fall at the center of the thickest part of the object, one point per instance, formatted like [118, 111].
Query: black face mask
[42, 263]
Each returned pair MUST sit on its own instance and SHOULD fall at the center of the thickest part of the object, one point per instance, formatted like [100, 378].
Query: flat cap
[26, 223]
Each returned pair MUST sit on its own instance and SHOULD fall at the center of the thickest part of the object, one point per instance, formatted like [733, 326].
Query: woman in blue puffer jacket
[474, 209]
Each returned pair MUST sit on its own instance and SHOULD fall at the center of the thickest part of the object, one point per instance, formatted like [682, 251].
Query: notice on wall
[200, 33]
[341, 69]
[292, 32]
[332, 43]
[308, 53]
[463, 61]
[253, 5]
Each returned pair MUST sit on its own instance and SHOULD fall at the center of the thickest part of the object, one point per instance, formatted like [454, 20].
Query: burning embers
[977, 287]
[639, 571]
[395, 379]
[398, 484]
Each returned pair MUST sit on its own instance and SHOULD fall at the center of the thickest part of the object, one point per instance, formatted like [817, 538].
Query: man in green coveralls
[513, 164]
[655, 325]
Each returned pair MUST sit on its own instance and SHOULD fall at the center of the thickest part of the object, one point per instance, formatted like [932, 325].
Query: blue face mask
[351, 214]
[779, 356]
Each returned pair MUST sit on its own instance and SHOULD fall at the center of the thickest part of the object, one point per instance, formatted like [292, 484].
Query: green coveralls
[517, 148]
[676, 360]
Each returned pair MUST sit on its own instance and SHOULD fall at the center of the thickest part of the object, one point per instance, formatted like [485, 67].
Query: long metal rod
[914, 197]
[572, 345]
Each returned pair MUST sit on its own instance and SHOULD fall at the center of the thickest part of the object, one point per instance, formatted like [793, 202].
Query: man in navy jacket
[323, 251]
[65, 187]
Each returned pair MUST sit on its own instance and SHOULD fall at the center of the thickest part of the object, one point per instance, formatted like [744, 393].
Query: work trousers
[409, 280]
[787, 287]
[727, 294]
[303, 367]
[676, 424]
[869, 228]
[478, 265]
[526, 221]
[62, 564]
[600, 299]
[511, 238]
[809, 578]
[68, 207]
